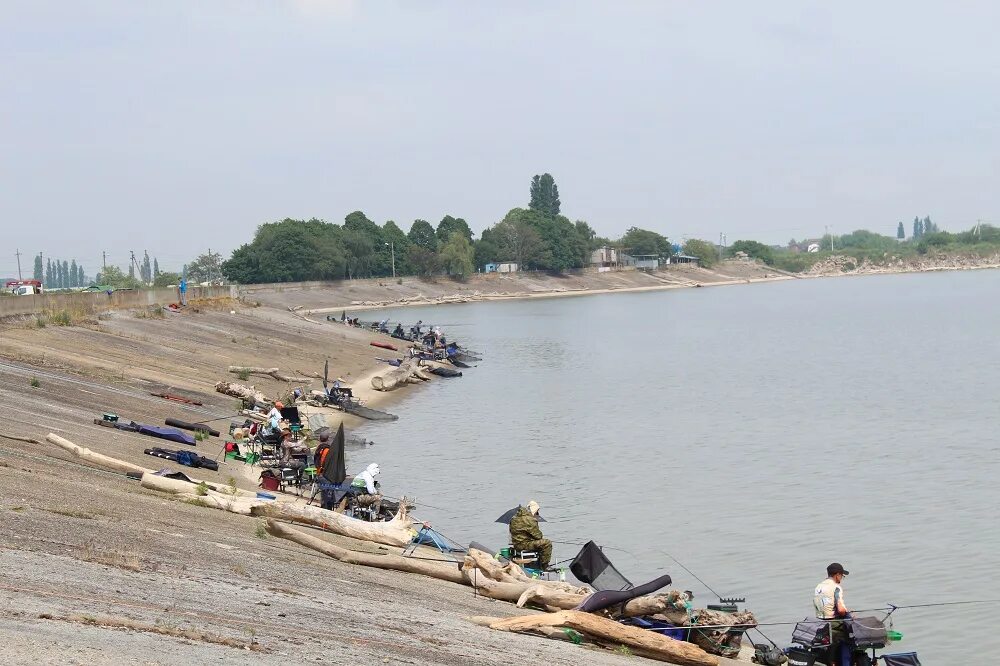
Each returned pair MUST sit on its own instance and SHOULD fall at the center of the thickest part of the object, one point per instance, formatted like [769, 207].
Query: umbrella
[326, 373]
[334, 467]
[507, 515]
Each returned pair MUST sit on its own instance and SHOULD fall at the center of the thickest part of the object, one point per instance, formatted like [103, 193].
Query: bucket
[269, 483]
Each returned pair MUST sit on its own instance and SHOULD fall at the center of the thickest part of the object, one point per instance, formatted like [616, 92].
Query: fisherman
[383, 326]
[525, 535]
[828, 600]
[398, 332]
[274, 418]
[367, 480]
[322, 449]
[368, 489]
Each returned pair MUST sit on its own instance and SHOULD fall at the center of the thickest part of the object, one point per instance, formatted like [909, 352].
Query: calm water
[756, 433]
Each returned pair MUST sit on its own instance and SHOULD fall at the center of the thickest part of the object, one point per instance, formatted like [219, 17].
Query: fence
[94, 302]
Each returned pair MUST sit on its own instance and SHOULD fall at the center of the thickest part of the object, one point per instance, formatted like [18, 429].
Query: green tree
[112, 276]
[918, 228]
[456, 255]
[900, 232]
[64, 275]
[206, 267]
[360, 250]
[449, 225]
[642, 241]
[929, 227]
[74, 275]
[753, 249]
[399, 245]
[39, 271]
[287, 251]
[587, 235]
[423, 261]
[485, 250]
[146, 270]
[517, 238]
[50, 278]
[422, 233]
[156, 268]
[706, 252]
[166, 279]
[81, 278]
[544, 195]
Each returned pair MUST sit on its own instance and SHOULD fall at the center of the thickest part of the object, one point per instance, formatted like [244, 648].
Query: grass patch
[240, 570]
[261, 532]
[40, 322]
[623, 650]
[34, 383]
[202, 489]
[196, 502]
[120, 558]
[243, 374]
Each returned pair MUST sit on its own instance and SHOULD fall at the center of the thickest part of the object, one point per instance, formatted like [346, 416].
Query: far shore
[477, 297]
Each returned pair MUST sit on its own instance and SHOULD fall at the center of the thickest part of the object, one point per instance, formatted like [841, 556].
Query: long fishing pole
[681, 565]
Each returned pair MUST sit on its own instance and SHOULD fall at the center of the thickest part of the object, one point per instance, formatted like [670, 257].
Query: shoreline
[365, 306]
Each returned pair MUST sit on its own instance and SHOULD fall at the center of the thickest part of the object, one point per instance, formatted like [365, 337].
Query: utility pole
[104, 261]
[392, 249]
[135, 263]
[720, 246]
[18, 255]
[826, 228]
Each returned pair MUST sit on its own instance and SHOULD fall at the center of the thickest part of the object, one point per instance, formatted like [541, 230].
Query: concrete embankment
[357, 295]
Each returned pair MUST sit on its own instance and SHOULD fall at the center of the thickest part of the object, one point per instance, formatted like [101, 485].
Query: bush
[35, 383]
[62, 318]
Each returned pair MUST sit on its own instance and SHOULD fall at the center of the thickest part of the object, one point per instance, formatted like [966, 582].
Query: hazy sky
[176, 126]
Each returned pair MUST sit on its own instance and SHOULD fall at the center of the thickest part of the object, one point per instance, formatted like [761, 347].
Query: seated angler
[525, 535]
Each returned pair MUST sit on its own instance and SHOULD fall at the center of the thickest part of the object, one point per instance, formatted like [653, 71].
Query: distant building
[604, 257]
[647, 262]
[501, 267]
[812, 247]
[683, 259]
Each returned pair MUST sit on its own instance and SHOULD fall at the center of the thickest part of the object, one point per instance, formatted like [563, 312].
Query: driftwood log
[641, 642]
[448, 571]
[181, 487]
[274, 373]
[248, 393]
[102, 461]
[395, 532]
[394, 377]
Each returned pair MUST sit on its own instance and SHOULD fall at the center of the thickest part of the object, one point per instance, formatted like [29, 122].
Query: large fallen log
[394, 377]
[396, 532]
[441, 570]
[180, 487]
[102, 461]
[247, 393]
[641, 642]
[274, 373]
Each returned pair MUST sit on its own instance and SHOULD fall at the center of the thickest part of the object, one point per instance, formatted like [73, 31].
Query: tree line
[59, 274]
[536, 237]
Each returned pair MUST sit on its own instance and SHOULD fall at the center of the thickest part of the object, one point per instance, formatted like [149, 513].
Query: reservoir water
[756, 433]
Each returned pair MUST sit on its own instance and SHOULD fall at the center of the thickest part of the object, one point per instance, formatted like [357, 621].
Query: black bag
[811, 632]
[768, 656]
[900, 659]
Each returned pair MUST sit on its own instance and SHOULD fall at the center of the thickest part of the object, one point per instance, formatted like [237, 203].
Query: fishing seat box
[900, 659]
[868, 632]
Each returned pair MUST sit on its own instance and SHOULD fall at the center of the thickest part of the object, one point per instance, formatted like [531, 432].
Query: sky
[175, 127]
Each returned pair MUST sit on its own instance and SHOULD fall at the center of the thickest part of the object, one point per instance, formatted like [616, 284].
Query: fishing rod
[719, 596]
